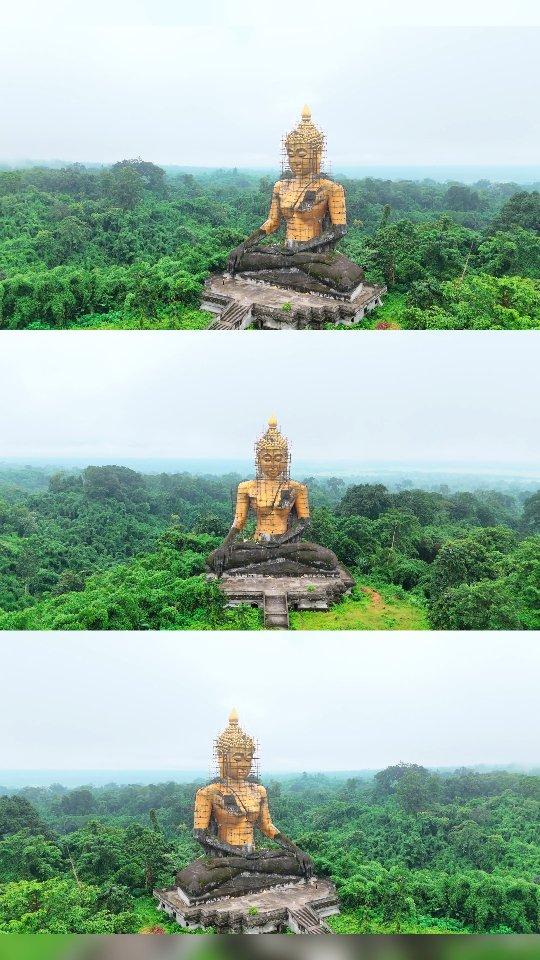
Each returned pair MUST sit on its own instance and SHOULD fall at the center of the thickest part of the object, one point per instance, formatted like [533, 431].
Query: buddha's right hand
[304, 862]
[221, 555]
[235, 258]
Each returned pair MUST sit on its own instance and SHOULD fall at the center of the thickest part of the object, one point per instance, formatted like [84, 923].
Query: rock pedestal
[276, 596]
[298, 907]
[238, 302]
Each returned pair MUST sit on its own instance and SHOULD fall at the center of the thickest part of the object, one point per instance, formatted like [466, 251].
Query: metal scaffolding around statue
[303, 282]
[276, 569]
[236, 887]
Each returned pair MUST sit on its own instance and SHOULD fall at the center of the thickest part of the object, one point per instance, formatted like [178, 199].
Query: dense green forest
[110, 548]
[129, 247]
[411, 850]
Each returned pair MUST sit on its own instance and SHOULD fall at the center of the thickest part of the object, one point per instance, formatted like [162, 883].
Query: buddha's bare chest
[265, 500]
[306, 203]
[231, 806]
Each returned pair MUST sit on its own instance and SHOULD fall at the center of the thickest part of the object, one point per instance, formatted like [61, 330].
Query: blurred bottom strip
[137, 947]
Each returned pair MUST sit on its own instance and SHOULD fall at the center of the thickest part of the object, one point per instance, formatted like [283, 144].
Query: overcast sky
[219, 81]
[412, 397]
[157, 701]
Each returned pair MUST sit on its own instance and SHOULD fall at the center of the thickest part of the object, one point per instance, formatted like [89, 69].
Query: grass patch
[148, 917]
[359, 922]
[390, 313]
[369, 610]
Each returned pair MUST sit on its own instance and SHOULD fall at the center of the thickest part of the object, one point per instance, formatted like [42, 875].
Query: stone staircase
[305, 920]
[232, 317]
[276, 611]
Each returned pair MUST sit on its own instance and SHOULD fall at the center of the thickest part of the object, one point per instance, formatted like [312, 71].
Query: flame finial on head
[306, 134]
[272, 439]
[233, 739]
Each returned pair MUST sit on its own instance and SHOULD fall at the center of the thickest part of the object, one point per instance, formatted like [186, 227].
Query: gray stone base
[299, 908]
[237, 303]
[275, 596]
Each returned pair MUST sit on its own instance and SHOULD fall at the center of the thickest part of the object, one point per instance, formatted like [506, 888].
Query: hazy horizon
[346, 470]
[526, 175]
[21, 779]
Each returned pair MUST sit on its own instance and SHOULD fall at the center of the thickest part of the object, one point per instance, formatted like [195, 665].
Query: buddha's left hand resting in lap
[281, 508]
[226, 814]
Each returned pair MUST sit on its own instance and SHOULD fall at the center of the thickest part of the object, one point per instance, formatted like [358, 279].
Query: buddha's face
[303, 159]
[236, 765]
[272, 463]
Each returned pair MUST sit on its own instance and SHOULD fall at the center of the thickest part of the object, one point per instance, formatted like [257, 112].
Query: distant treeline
[128, 246]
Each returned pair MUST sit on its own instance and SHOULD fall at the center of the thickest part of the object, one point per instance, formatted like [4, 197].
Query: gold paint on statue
[306, 199]
[272, 495]
[237, 804]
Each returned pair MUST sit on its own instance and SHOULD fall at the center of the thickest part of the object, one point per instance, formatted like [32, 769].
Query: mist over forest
[34, 475]
[520, 174]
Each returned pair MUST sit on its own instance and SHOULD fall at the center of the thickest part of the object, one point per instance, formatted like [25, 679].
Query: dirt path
[376, 597]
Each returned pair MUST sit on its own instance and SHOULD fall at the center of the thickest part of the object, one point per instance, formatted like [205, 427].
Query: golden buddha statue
[313, 209]
[281, 508]
[225, 816]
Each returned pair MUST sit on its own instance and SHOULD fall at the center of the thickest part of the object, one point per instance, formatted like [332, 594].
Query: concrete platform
[299, 908]
[277, 595]
[238, 303]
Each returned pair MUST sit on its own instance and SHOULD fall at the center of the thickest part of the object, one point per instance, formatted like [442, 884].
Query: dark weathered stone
[233, 876]
[285, 559]
[318, 272]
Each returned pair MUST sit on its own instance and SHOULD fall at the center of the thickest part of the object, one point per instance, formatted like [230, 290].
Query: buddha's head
[235, 751]
[304, 146]
[272, 454]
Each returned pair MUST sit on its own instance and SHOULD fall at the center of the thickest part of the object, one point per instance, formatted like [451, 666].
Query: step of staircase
[276, 611]
[232, 317]
[308, 922]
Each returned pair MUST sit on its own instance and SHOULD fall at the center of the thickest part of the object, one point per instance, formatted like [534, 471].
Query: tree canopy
[411, 850]
[129, 246]
[110, 548]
